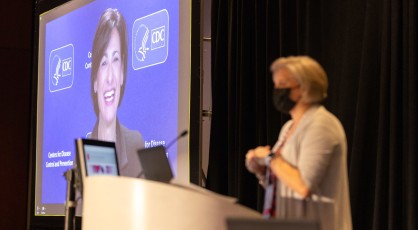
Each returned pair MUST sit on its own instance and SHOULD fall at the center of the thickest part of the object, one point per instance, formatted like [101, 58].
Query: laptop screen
[100, 160]
[95, 158]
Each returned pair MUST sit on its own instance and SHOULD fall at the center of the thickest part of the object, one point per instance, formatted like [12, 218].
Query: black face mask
[282, 101]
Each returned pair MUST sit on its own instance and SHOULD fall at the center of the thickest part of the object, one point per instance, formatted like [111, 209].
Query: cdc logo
[150, 40]
[61, 65]
[158, 38]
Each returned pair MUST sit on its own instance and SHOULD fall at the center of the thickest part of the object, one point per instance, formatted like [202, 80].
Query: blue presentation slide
[81, 102]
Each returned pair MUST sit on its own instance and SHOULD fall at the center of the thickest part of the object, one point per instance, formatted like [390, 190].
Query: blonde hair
[309, 73]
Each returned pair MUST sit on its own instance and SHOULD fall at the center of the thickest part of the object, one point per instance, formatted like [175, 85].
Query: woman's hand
[254, 160]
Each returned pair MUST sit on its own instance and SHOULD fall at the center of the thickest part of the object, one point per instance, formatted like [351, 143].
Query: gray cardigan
[318, 149]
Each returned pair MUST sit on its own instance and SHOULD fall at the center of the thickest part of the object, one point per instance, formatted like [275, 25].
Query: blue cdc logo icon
[150, 40]
[61, 65]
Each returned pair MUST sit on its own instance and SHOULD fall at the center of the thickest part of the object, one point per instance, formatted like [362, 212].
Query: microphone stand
[70, 204]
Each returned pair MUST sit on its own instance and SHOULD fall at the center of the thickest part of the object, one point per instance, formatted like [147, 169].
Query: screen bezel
[193, 40]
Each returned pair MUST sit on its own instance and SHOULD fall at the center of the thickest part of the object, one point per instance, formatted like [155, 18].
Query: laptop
[95, 158]
[155, 165]
[236, 223]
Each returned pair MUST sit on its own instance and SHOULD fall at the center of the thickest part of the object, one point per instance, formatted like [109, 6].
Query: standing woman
[305, 173]
[108, 80]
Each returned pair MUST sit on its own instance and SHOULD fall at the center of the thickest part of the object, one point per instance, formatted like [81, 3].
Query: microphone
[182, 134]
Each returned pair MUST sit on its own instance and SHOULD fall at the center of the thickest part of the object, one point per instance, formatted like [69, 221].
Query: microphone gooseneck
[182, 134]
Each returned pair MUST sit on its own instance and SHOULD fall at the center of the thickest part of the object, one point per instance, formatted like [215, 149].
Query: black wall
[15, 59]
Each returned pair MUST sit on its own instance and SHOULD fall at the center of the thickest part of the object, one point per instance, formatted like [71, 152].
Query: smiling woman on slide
[108, 78]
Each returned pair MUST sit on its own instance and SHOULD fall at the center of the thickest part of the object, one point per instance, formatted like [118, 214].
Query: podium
[130, 203]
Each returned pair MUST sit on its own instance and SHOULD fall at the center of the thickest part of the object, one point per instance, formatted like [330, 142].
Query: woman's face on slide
[109, 79]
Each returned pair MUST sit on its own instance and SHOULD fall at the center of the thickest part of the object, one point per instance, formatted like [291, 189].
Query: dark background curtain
[15, 59]
[368, 48]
